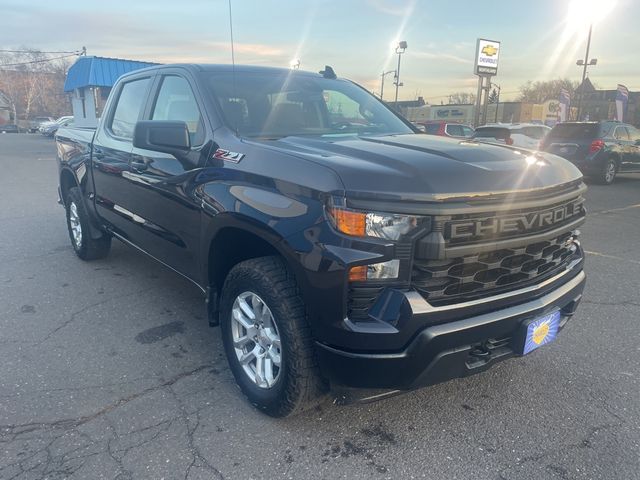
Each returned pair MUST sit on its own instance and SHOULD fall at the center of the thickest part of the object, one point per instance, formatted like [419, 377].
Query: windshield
[275, 105]
[574, 130]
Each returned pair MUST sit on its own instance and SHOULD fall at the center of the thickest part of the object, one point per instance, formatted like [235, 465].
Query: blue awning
[89, 71]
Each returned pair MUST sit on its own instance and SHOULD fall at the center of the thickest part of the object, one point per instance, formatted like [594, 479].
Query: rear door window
[634, 133]
[130, 101]
[455, 130]
[432, 128]
[621, 133]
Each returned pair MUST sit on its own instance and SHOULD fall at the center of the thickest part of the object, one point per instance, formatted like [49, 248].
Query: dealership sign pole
[484, 66]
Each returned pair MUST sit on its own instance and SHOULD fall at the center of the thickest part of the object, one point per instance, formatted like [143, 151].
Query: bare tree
[540, 92]
[33, 83]
[458, 98]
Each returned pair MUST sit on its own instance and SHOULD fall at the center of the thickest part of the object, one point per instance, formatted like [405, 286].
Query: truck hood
[428, 168]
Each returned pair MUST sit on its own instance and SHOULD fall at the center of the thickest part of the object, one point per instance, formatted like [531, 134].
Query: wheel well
[67, 181]
[230, 247]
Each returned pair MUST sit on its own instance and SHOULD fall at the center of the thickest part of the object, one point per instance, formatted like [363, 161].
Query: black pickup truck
[337, 248]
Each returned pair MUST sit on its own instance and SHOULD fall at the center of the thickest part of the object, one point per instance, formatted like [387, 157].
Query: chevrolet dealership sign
[487, 53]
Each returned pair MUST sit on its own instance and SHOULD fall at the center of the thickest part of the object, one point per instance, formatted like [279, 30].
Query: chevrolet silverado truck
[338, 249]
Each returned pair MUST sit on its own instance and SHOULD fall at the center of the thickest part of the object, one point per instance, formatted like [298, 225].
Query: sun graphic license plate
[541, 331]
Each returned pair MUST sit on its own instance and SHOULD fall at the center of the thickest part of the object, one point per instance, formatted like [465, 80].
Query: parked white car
[525, 135]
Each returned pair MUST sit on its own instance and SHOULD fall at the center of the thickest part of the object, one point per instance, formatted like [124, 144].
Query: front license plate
[541, 331]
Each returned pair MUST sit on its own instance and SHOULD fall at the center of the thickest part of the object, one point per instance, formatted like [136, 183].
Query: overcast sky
[541, 39]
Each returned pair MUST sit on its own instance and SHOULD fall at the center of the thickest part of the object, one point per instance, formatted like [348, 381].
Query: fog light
[375, 271]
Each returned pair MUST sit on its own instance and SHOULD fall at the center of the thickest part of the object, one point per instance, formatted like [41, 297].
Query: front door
[168, 218]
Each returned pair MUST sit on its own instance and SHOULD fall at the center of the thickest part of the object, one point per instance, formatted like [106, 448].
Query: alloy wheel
[75, 225]
[256, 340]
[610, 172]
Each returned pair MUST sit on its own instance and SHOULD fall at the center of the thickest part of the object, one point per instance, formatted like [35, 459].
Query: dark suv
[446, 129]
[600, 149]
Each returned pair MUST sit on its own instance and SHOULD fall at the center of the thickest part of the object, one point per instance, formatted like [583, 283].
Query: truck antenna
[233, 60]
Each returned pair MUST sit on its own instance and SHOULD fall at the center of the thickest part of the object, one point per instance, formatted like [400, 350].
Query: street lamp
[584, 64]
[384, 74]
[495, 85]
[401, 47]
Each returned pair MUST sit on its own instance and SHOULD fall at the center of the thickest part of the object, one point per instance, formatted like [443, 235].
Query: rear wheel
[85, 246]
[267, 338]
[608, 172]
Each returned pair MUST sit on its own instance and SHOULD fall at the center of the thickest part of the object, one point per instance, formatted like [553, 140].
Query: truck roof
[226, 68]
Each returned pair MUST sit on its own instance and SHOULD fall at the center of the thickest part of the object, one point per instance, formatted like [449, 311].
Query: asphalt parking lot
[109, 370]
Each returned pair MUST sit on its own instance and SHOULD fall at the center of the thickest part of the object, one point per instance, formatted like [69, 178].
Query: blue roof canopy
[89, 71]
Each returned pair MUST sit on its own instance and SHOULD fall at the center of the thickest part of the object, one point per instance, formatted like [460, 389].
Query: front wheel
[85, 246]
[267, 338]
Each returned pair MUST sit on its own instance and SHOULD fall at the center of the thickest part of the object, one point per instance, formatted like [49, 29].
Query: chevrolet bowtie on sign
[487, 52]
[490, 50]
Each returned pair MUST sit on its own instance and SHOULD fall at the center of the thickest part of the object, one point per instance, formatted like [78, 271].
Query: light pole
[584, 63]
[400, 49]
[384, 74]
[495, 85]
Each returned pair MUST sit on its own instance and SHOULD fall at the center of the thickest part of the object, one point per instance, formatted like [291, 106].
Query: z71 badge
[222, 154]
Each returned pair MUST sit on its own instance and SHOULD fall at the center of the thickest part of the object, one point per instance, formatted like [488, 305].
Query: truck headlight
[388, 226]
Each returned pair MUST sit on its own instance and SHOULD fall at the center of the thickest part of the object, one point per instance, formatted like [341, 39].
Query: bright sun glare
[582, 13]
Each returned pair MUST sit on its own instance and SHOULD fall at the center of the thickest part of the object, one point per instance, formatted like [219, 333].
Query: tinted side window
[127, 111]
[432, 128]
[176, 101]
[634, 133]
[468, 131]
[621, 134]
[455, 130]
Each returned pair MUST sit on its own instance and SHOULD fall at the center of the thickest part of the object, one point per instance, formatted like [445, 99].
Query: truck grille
[446, 281]
[467, 256]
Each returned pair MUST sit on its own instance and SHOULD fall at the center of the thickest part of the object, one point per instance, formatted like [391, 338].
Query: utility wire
[37, 51]
[39, 61]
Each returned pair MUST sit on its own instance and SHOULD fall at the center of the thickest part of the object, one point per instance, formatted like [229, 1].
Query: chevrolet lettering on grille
[513, 224]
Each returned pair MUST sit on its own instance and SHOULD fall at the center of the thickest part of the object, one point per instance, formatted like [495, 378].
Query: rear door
[625, 147]
[111, 155]
[168, 219]
[634, 135]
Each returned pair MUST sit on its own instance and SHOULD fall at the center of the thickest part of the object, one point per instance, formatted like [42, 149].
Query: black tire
[608, 172]
[86, 247]
[299, 385]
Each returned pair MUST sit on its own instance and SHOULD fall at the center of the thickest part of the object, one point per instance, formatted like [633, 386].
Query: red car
[446, 129]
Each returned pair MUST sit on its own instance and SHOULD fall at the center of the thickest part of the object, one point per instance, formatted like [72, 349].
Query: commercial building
[89, 81]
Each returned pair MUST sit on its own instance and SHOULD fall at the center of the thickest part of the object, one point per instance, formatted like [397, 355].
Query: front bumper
[448, 350]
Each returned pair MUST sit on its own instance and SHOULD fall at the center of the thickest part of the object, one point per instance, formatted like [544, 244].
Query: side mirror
[167, 136]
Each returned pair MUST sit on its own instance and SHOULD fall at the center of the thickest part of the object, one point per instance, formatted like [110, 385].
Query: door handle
[138, 163]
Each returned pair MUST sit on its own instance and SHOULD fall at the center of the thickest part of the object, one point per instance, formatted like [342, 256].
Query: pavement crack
[198, 458]
[613, 257]
[69, 423]
[73, 316]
